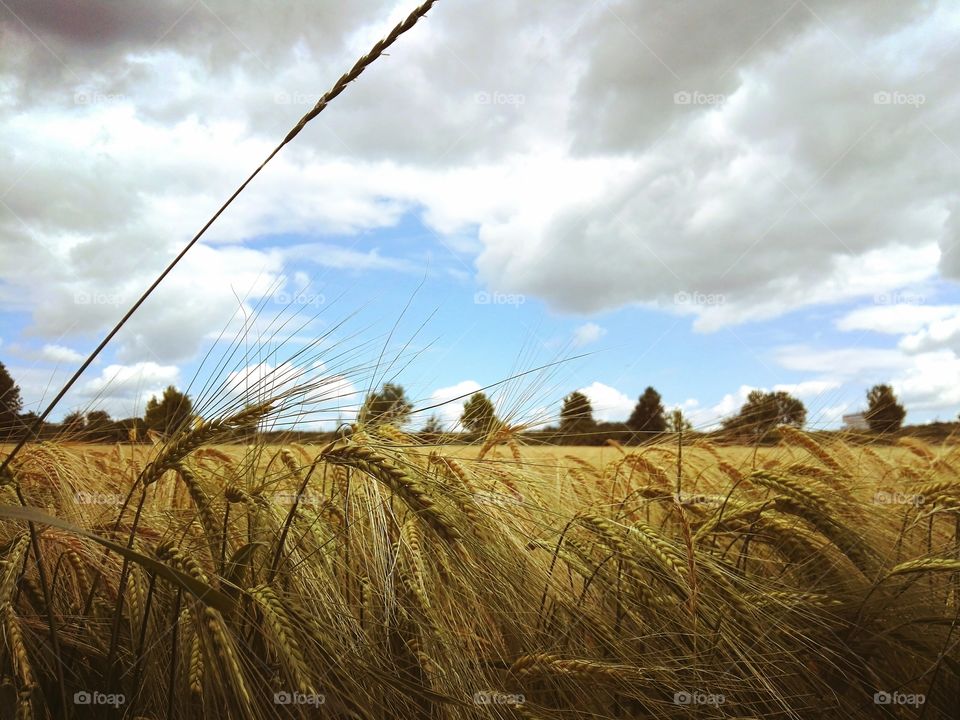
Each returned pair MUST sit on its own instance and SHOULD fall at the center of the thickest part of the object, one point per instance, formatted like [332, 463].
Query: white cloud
[313, 398]
[842, 363]
[931, 382]
[813, 393]
[609, 404]
[60, 354]
[589, 184]
[808, 388]
[925, 381]
[587, 333]
[943, 332]
[123, 390]
[449, 413]
[708, 418]
[896, 319]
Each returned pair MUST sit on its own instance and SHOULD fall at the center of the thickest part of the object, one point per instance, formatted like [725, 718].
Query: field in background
[388, 579]
[553, 459]
[560, 454]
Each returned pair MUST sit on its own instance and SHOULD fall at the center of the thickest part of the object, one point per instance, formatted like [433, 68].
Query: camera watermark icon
[488, 298]
[898, 698]
[500, 98]
[698, 298]
[494, 697]
[299, 698]
[698, 697]
[705, 500]
[898, 298]
[282, 97]
[695, 97]
[82, 297]
[96, 498]
[284, 298]
[289, 498]
[95, 97]
[895, 498]
[85, 697]
[895, 97]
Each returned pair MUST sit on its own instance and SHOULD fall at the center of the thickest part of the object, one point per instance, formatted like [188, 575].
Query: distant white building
[855, 421]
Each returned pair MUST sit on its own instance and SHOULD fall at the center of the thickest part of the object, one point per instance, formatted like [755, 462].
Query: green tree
[388, 405]
[763, 411]
[576, 416]
[168, 414]
[74, 422]
[100, 428]
[884, 412]
[677, 422]
[130, 430]
[478, 414]
[98, 419]
[10, 403]
[432, 426]
[648, 414]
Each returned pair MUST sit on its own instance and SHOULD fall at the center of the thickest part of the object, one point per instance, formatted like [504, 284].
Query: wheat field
[377, 577]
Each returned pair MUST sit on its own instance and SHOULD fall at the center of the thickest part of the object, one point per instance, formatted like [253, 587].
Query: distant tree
[677, 422]
[763, 411]
[433, 426]
[10, 402]
[648, 414]
[74, 422]
[884, 412]
[98, 418]
[478, 414]
[388, 405]
[576, 416]
[100, 428]
[604, 431]
[130, 430]
[171, 412]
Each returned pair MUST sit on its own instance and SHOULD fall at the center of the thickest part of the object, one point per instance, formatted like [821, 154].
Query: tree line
[162, 415]
[756, 420]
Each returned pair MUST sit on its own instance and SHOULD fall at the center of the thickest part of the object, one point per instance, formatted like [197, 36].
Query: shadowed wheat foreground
[379, 578]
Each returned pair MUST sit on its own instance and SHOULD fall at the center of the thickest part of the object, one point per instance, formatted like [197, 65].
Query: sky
[706, 197]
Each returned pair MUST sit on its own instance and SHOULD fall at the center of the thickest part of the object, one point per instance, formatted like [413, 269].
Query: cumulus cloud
[310, 395]
[613, 405]
[697, 166]
[587, 333]
[931, 382]
[807, 388]
[123, 390]
[924, 365]
[924, 381]
[722, 163]
[450, 411]
[942, 332]
[708, 418]
[766, 198]
[896, 319]
[609, 404]
[61, 354]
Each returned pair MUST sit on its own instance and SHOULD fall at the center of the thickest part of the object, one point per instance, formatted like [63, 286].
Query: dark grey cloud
[642, 54]
[92, 23]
